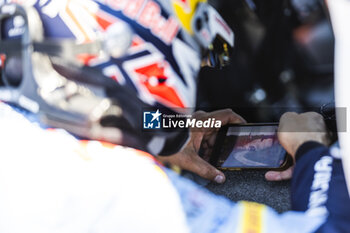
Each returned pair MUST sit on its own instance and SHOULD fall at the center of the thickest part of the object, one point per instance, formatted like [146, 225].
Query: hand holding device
[188, 158]
[294, 130]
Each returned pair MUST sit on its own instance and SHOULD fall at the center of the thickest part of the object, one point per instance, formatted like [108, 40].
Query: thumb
[207, 171]
[279, 175]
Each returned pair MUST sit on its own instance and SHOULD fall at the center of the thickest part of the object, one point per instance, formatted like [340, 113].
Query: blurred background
[282, 61]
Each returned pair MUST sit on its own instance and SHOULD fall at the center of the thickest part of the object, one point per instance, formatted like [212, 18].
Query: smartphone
[248, 146]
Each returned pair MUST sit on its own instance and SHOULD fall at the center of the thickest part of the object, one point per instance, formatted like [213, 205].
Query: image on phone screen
[253, 146]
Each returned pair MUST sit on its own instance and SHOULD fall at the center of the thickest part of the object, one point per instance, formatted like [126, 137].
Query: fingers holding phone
[294, 130]
[247, 146]
[279, 175]
[188, 158]
[206, 144]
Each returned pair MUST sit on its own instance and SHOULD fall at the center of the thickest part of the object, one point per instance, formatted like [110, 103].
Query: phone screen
[248, 146]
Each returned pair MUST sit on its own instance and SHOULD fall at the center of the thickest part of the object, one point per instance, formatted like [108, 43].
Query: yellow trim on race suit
[184, 10]
[252, 217]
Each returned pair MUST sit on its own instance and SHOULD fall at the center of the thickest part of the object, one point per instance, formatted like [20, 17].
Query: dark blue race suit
[320, 200]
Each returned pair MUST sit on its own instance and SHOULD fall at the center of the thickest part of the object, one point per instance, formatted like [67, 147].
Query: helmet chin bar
[78, 98]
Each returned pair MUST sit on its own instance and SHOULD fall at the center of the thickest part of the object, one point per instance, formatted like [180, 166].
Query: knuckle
[199, 114]
[288, 115]
[314, 115]
[205, 172]
[208, 172]
[228, 111]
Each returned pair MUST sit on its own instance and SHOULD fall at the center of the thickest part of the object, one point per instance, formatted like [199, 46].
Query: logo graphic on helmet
[92, 66]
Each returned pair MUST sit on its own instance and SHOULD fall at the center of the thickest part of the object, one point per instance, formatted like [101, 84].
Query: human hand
[294, 130]
[188, 158]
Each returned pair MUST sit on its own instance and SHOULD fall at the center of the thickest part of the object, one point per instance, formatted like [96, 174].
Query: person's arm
[313, 164]
[318, 183]
[319, 187]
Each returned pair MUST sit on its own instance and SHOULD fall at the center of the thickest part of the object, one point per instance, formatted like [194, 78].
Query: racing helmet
[94, 67]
